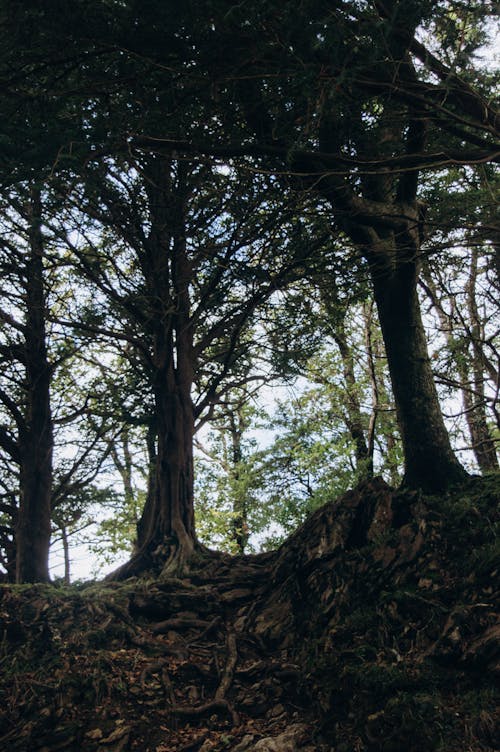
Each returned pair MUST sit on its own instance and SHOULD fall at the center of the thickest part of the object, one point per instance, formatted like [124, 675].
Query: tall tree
[341, 103]
[351, 102]
[345, 99]
[182, 257]
[459, 278]
[51, 447]
[26, 434]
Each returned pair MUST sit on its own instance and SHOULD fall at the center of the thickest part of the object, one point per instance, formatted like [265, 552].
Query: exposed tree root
[214, 706]
[232, 658]
[375, 624]
[164, 626]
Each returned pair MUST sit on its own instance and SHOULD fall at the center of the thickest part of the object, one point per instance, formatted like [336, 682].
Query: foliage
[116, 533]
[310, 456]
[212, 221]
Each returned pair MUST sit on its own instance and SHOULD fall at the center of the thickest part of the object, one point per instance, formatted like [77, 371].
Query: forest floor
[374, 628]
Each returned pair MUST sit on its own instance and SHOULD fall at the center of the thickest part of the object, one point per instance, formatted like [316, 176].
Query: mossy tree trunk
[167, 524]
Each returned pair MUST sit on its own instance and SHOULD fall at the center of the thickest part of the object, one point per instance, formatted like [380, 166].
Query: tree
[182, 257]
[26, 433]
[186, 171]
[467, 365]
[459, 278]
[376, 206]
[227, 489]
[51, 446]
[335, 98]
[336, 403]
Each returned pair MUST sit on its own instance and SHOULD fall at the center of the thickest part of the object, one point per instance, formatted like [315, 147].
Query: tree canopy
[198, 200]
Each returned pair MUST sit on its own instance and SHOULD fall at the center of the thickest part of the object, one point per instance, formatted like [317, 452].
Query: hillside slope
[374, 628]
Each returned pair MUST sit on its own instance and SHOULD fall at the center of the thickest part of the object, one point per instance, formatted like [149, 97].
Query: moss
[373, 629]
[373, 672]
[485, 561]
[360, 620]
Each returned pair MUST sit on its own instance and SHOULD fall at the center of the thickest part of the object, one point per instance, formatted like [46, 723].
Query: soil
[374, 628]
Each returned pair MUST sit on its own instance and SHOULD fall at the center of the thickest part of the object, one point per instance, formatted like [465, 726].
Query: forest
[249, 281]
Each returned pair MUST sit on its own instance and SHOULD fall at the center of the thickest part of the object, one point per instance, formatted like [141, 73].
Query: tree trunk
[124, 467]
[430, 463]
[166, 533]
[36, 438]
[239, 523]
[151, 445]
[387, 437]
[67, 560]
[483, 445]
[354, 417]
[167, 525]
[469, 357]
[9, 510]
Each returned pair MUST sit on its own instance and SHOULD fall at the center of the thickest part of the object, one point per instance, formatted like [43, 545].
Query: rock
[206, 746]
[290, 740]
[276, 711]
[245, 744]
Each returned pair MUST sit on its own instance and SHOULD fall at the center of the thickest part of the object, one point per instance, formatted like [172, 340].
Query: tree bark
[430, 463]
[387, 437]
[9, 510]
[239, 523]
[166, 532]
[372, 426]
[36, 435]
[166, 528]
[67, 559]
[483, 445]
